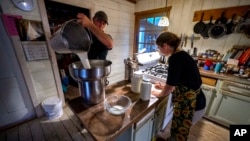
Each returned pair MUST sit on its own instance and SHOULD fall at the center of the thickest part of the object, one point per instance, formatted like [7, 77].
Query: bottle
[146, 86]
[136, 81]
[218, 67]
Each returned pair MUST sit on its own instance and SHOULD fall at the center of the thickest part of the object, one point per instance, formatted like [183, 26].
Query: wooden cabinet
[143, 129]
[209, 92]
[229, 107]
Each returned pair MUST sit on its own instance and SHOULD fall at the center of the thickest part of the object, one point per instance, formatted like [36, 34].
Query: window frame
[146, 14]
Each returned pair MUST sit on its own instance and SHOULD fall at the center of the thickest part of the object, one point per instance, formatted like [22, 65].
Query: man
[102, 42]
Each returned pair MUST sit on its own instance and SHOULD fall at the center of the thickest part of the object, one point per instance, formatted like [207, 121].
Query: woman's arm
[166, 90]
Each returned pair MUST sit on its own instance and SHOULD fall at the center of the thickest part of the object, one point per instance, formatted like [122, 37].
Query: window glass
[148, 32]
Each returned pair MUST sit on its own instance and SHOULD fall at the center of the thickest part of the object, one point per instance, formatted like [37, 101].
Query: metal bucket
[71, 37]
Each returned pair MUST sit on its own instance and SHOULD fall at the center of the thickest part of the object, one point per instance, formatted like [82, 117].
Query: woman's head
[168, 41]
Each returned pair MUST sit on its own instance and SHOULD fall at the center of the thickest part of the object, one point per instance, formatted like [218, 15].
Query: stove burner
[158, 70]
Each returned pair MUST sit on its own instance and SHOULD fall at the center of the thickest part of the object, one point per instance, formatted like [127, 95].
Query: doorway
[57, 14]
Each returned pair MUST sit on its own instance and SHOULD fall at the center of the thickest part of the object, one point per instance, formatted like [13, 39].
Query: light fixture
[163, 21]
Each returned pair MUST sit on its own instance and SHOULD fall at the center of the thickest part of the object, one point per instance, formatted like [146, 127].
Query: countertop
[223, 76]
[105, 126]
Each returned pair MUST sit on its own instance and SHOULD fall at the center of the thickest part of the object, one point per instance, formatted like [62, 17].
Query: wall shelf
[216, 13]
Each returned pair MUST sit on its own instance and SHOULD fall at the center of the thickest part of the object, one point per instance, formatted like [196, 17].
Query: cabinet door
[230, 108]
[144, 133]
[126, 136]
[209, 92]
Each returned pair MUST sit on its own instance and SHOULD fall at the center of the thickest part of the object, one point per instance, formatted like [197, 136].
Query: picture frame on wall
[30, 30]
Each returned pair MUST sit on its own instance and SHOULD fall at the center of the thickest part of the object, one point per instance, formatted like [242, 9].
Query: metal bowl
[117, 104]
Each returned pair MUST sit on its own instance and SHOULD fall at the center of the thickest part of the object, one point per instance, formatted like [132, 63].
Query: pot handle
[106, 82]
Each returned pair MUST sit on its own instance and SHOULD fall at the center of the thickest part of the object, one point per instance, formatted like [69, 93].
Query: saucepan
[70, 37]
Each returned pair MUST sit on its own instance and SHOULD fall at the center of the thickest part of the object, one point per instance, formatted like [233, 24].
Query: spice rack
[216, 13]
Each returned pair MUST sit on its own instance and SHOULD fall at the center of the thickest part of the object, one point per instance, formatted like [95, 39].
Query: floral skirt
[184, 107]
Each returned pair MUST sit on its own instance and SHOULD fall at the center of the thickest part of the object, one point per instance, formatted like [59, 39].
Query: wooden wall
[121, 28]
[181, 21]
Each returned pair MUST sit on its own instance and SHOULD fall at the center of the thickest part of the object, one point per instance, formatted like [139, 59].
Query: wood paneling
[133, 1]
[216, 13]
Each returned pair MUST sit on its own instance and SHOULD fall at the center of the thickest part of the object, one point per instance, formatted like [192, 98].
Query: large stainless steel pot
[71, 37]
[92, 91]
[99, 69]
[91, 81]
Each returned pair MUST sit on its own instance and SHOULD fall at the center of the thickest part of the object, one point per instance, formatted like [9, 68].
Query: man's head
[100, 17]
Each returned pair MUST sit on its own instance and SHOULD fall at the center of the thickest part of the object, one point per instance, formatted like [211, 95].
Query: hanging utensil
[185, 42]
[182, 39]
[240, 27]
[219, 29]
[204, 34]
[192, 40]
[200, 26]
[230, 25]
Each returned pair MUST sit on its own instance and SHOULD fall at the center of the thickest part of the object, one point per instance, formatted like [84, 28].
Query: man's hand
[83, 20]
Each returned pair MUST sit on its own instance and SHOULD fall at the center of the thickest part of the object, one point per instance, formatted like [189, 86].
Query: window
[147, 29]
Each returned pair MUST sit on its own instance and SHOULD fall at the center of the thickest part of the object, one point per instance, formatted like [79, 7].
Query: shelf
[216, 13]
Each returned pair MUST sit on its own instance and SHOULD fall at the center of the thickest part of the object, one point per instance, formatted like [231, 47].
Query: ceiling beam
[133, 1]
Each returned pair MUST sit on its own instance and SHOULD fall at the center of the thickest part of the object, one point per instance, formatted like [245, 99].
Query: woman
[184, 82]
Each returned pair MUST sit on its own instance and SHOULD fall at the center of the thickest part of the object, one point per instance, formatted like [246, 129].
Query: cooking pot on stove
[70, 37]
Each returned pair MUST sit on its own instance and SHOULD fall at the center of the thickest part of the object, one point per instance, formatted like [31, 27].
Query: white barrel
[52, 107]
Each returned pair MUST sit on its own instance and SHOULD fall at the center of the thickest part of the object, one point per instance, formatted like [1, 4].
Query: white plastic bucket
[52, 107]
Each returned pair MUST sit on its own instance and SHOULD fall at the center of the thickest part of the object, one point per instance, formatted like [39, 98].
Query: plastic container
[136, 81]
[218, 67]
[52, 107]
[146, 86]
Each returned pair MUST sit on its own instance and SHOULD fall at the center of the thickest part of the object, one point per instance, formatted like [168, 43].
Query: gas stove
[156, 73]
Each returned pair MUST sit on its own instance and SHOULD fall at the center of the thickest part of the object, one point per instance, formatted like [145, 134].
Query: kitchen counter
[222, 76]
[104, 126]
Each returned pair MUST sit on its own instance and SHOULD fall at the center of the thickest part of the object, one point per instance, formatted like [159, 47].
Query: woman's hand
[157, 89]
[159, 85]
[156, 92]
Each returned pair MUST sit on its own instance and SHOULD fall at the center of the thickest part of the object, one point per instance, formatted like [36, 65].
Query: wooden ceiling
[133, 1]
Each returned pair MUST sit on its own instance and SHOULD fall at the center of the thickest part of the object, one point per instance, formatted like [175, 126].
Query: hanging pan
[200, 26]
[241, 26]
[230, 25]
[219, 29]
[204, 34]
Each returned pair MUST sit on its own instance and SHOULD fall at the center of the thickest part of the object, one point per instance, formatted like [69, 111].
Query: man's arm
[103, 37]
